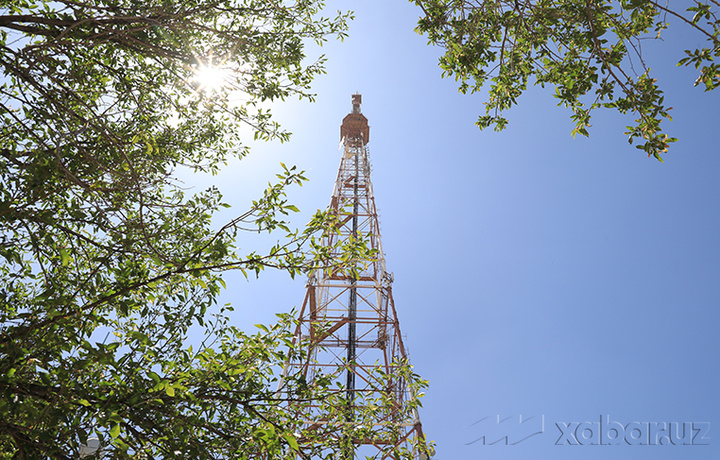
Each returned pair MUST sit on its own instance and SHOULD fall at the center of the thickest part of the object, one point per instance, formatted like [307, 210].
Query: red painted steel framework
[348, 322]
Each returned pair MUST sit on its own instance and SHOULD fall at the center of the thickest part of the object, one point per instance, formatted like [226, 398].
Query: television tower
[349, 329]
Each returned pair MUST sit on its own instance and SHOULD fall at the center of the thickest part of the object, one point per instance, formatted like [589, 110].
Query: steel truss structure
[349, 326]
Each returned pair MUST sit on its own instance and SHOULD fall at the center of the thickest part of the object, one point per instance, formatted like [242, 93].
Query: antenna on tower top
[356, 101]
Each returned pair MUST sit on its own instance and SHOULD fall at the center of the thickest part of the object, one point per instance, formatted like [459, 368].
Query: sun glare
[210, 78]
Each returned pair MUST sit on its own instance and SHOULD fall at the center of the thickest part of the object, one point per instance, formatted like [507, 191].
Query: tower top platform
[355, 126]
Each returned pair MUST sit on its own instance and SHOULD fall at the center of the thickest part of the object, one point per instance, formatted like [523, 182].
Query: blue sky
[535, 274]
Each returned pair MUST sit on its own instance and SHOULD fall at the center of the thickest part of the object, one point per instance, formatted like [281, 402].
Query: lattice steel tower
[349, 325]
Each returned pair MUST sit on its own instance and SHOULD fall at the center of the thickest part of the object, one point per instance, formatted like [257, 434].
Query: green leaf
[64, 257]
[154, 376]
[292, 442]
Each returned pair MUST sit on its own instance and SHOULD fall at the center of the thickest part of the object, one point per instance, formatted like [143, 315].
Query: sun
[210, 78]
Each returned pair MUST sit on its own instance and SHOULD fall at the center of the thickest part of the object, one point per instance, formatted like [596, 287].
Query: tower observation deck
[349, 331]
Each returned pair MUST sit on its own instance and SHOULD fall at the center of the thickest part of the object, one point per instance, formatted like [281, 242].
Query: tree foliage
[589, 50]
[106, 264]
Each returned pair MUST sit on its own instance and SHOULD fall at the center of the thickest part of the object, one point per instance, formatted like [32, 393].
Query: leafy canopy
[589, 50]
[106, 264]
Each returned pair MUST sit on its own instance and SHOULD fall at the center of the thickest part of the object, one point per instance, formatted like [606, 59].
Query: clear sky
[534, 274]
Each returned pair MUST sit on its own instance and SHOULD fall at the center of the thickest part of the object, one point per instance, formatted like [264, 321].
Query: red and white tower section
[349, 328]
